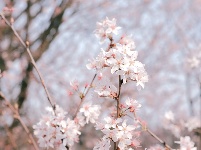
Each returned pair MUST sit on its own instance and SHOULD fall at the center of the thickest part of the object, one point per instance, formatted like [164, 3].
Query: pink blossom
[91, 112]
[186, 143]
[55, 131]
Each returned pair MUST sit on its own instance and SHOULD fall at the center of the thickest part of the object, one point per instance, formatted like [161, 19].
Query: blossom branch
[26, 46]
[17, 116]
[82, 96]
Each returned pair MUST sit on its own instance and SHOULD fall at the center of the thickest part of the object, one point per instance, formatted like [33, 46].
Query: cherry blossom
[156, 147]
[169, 116]
[74, 84]
[91, 112]
[193, 123]
[186, 143]
[104, 144]
[106, 29]
[55, 131]
[105, 88]
[193, 62]
[121, 57]
[132, 104]
[118, 131]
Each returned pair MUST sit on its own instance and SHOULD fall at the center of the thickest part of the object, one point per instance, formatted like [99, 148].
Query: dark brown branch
[26, 46]
[17, 116]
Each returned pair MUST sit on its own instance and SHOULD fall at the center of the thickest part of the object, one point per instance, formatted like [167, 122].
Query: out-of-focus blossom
[186, 143]
[175, 129]
[193, 62]
[169, 116]
[156, 147]
[74, 84]
[193, 123]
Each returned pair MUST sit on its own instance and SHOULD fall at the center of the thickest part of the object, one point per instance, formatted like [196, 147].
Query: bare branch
[17, 116]
[26, 46]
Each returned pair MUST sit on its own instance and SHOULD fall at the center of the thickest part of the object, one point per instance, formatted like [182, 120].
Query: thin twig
[17, 116]
[156, 137]
[26, 46]
[82, 97]
[160, 140]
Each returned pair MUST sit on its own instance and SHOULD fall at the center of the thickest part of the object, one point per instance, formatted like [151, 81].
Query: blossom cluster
[132, 104]
[106, 29]
[121, 56]
[55, 130]
[194, 61]
[91, 112]
[177, 128]
[117, 130]
[104, 88]
[186, 143]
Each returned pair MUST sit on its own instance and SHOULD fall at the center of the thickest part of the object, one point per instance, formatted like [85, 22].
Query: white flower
[193, 123]
[193, 62]
[124, 141]
[120, 57]
[80, 119]
[157, 147]
[91, 112]
[55, 131]
[111, 122]
[128, 41]
[112, 134]
[119, 131]
[106, 29]
[132, 104]
[106, 89]
[169, 116]
[74, 84]
[104, 144]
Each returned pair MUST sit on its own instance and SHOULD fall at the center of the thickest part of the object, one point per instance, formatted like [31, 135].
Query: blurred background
[167, 34]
